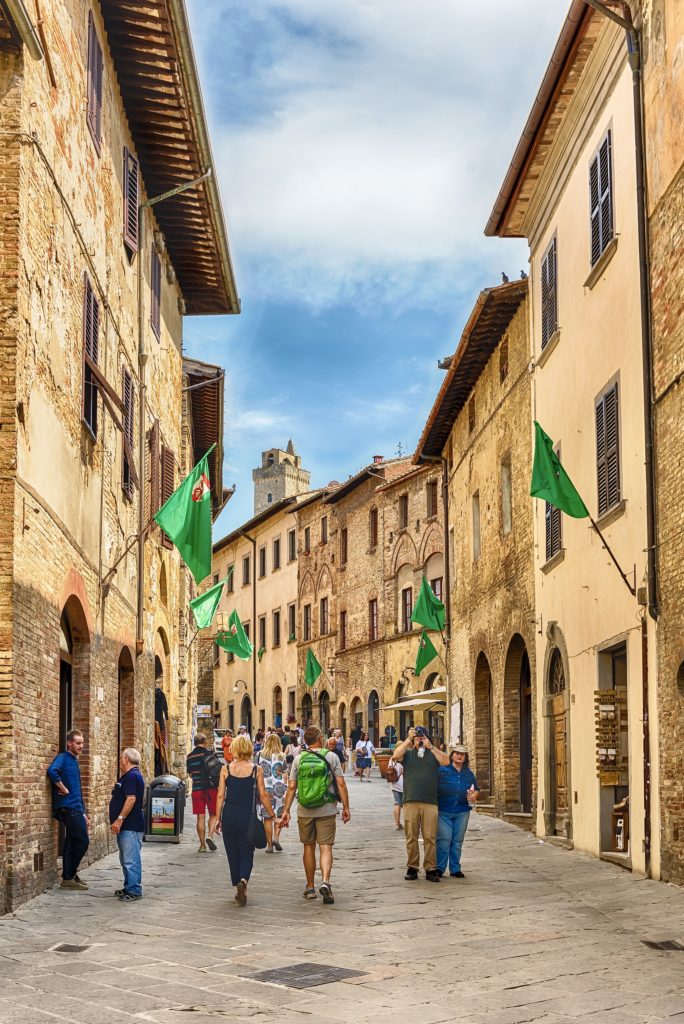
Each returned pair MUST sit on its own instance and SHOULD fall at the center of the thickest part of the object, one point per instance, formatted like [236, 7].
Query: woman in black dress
[234, 804]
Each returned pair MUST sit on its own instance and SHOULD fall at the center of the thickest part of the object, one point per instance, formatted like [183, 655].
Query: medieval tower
[279, 476]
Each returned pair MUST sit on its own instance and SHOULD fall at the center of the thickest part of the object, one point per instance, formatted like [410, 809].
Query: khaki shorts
[317, 830]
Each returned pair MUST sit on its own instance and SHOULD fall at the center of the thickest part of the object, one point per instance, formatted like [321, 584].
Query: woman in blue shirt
[458, 791]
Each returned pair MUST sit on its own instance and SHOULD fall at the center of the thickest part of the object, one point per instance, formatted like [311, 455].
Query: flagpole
[615, 561]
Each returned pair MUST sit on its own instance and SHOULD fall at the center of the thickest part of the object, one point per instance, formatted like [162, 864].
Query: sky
[359, 147]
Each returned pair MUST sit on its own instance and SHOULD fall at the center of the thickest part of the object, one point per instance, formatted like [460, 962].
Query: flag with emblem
[426, 652]
[313, 668]
[429, 610]
[186, 519]
[204, 607]
[234, 639]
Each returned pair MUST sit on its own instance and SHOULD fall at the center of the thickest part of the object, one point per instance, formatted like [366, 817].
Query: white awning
[441, 690]
[412, 702]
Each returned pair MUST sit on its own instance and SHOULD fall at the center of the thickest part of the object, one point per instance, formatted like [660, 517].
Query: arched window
[269, 498]
[556, 681]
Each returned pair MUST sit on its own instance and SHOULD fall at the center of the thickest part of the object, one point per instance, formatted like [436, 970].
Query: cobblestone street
[533, 933]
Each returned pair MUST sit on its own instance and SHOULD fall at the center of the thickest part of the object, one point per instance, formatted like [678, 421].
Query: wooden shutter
[131, 200]
[553, 530]
[601, 199]
[549, 295]
[91, 344]
[155, 315]
[607, 450]
[167, 484]
[129, 478]
[95, 77]
[153, 467]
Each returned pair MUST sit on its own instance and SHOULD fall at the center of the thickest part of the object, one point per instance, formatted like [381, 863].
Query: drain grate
[304, 975]
[669, 945]
[67, 947]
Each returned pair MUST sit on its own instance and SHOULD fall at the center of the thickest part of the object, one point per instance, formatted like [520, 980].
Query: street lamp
[237, 685]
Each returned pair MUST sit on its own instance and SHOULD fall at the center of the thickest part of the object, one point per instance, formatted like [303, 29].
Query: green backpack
[315, 780]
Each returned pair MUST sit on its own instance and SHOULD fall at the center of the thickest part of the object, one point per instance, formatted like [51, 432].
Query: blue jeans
[76, 840]
[130, 845]
[451, 830]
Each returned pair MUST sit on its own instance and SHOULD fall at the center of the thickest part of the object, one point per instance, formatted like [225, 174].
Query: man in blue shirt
[69, 809]
[127, 821]
[457, 793]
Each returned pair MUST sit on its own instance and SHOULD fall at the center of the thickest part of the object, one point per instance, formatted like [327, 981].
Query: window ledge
[549, 347]
[612, 514]
[602, 262]
[553, 562]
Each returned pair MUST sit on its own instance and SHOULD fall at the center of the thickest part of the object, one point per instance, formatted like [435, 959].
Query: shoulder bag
[256, 833]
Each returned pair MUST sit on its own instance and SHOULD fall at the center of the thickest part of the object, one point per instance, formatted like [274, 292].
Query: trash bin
[620, 830]
[164, 810]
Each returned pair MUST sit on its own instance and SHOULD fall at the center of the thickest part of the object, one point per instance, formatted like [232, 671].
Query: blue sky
[359, 146]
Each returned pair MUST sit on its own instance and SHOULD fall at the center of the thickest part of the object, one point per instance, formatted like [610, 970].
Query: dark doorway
[483, 727]
[324, 712]
[374, 717]
[246, 714]
[525, 735]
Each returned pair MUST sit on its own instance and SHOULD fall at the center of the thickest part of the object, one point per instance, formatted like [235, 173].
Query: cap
[458, 748]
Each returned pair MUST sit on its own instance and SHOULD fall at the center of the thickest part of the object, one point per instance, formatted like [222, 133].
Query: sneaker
[277, 846]
[326, 892]
[432, 876]
[119, 892]
[457, 874]
[71, 883]
[411, 874]
[212, 845]
[130, 897]
[82, 884]
[310, 894]
[439, 872]
[241, 895]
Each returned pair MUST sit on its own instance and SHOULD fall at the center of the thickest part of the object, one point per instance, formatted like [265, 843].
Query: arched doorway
[162, 725]
[435, 722]
[66, 659]
[356, 717]
[403, 719]
[342, 719]
[307, 709]
[126, 712]
[374, 717]
[246, 713]
[517, 724]
[277, 707]
[483, 727]
[557, 813]
[324, 712]
[74, 687]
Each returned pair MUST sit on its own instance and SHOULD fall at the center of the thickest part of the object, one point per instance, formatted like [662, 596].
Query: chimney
[377, 459]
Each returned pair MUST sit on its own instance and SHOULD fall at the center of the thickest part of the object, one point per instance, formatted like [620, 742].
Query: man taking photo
[420, 761]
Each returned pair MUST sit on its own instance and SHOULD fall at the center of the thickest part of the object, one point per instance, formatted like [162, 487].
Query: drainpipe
[24, 26]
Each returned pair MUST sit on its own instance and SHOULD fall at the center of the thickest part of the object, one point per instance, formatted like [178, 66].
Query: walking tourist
[204, 768]
[68, 808]
[457, 793]
[317, 780]
[127, 822]
[340, 748]
[421, 762]
[293, 748]
[271, 760]
[234, 806]
[395, 777]
[225, 745]
[364, 756]
[354, 737]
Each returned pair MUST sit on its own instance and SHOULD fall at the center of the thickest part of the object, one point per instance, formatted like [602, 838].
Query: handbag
[256, 833]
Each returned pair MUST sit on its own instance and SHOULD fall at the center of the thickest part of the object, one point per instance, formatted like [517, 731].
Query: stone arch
[373, 717]
[277, 706]
[74, 682]
[307, 709]
[246, 713]
[324, 578]
[324, 712]
[342, 719]
[356, 712]
[517, 727]
[483, 727]
[432, 543]
[556, 711]
[125, 732]
[404, 552]
[307, 584]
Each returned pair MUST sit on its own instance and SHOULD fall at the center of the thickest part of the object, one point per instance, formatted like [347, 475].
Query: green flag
[550, 482]
[261, 652]
[313, 669]
[429, 610]
[186, 519]
[234, 639]
[204, 607]
[426, 652]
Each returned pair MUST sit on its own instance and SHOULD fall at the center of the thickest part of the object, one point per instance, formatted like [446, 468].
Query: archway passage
[558, 810]
[403, 719]
[246, 713]
[374, 717]
[307, 709]
[483, 727]
[161, 720]
[277, 707]
[324, 712]
[342, 719]
[517, 727]
[126, 710]
[526, 735]
[74, 688]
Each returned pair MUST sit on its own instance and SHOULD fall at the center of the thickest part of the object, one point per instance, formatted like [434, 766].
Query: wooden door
[559, 766]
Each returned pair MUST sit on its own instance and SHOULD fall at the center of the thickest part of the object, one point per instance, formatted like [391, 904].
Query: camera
[420, 731]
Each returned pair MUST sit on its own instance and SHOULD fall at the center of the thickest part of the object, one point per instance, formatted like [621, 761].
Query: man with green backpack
[317, 780]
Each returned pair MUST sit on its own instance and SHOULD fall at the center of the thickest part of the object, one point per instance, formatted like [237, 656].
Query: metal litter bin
[164, 810]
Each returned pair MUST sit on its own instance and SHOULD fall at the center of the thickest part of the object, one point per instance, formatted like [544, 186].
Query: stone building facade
[479, 429]
[92, 440]
[280, 476]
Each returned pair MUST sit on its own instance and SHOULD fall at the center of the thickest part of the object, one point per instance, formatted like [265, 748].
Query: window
[245, 570]
[246, 627]
[476, 525]
[291, 545]
[230, 657]
[373, 619]
[437, 587]
[276, 629]
[230, 585]
[549, 295]
[471, 415]
[608, 450]
[373, 527]
[262, 562]
[292, 622]
[403, 511]
[406, 609]
[307, 621]
[155, 284]
[276, 553]
[344, 549]
[506, 498]
[307, 540]
[91, 345]
[262, 633]
[129, 477]
[324, 626]
[168, 467]
[601, 199]
[231, 716]
[324, 530]
[94, 73]
[432, 498]
[215, 578]
[269, 498]
[343, 631]
[130, 198]
[503, 360]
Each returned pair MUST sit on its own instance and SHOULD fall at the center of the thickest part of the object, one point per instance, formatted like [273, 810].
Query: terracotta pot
[382, 760]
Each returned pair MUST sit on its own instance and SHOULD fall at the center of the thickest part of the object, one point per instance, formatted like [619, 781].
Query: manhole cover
[67, 947]
[304, 975]
[668, 945]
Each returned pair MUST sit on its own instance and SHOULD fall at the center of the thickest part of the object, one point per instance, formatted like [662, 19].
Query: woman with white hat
[457, 793]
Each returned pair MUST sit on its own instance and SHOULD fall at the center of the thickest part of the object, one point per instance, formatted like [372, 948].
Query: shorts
[317, 830]
[204, 799]
[363, 762]
[398, 797]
